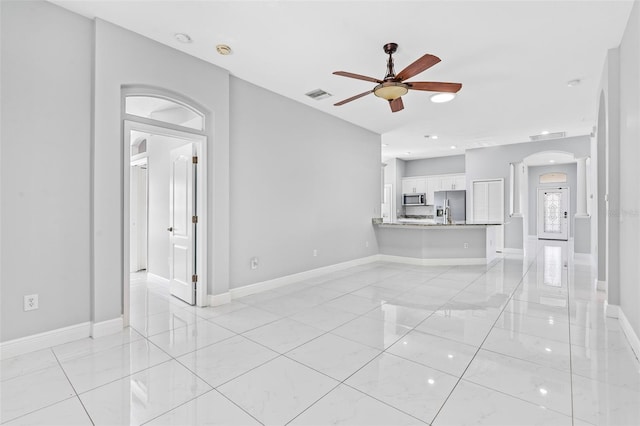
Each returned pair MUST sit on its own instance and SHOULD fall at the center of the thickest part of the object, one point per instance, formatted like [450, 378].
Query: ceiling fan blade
[435, 86]
[357, 76]
[419, 65]
[396, 105]
[353, 98]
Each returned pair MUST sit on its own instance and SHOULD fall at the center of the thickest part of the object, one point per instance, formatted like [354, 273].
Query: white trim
[219, 299]
[432, 262]
[632, 337]
[611, 311]
[533, 238]
[44, 340]
[234, 293]
[290, 279]
[160, 280]
[105, 328]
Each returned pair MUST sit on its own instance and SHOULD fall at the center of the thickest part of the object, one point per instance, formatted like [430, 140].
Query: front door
[182, 223]
[553, 213]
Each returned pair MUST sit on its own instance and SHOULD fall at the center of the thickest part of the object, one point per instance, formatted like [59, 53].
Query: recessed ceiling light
[408, 152]
[223, 49]
[182, 37]
[544, 132]
[431, 136]
[552, 161]
[431, 381]
[573, 83]
[453, 147]
[543, 391]
[439, 98]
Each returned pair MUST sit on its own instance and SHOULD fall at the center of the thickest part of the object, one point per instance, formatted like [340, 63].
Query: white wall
[435, 166]
[46, 139]
[493, 162]
[300, 180]
[159, 151]
[630, 170]
[125, 58]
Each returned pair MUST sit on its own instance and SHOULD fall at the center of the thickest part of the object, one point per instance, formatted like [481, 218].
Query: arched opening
[165, 196]
[550, 176]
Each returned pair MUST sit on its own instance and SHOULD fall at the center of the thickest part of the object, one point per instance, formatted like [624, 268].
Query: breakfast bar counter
[437, 244]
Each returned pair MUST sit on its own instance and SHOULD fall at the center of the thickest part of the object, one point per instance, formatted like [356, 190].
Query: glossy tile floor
[523, 341]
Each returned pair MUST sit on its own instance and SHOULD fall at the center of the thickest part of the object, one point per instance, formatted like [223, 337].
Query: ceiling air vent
[318, 94]
[555, 135]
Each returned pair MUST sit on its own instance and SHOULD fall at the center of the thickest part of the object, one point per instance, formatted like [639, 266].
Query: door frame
[137, 161]
[200, 142]
[539, 219]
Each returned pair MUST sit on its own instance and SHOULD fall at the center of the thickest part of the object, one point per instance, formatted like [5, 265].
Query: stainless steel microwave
[414, 199]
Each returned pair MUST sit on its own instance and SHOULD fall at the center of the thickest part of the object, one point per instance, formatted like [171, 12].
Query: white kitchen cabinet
[447, 183]
[460, 182]
[417, 185]
[433, 185]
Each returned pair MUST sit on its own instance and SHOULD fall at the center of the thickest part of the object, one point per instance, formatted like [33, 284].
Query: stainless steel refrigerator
[451, 206]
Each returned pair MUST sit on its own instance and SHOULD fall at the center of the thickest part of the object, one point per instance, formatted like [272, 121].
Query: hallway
[522, 341]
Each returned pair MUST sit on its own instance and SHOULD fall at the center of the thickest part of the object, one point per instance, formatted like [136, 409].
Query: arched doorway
[172, 164]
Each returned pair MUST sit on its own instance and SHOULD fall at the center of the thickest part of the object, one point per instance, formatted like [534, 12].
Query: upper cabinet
[414, 185]
[431, 184]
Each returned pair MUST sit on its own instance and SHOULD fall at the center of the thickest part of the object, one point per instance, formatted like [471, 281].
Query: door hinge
[194, 160]
[194, 219]
[194, 278]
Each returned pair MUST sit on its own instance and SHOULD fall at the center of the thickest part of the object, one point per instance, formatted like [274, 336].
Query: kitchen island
[437, 244]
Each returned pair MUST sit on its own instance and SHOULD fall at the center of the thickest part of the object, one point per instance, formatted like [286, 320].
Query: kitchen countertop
[435, 225]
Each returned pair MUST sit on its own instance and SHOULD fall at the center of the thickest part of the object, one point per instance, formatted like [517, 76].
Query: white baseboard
[290, 279]
[105, 328]
[158, 279]
[614, 311]
[611, 311]
[44, 340]
[632, 337]
[432, 262]
[219, 299]
[601, 285]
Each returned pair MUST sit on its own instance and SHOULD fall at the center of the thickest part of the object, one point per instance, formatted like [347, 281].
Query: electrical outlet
[466, 245]
[315, 252]
[31, 302]
[254, 262]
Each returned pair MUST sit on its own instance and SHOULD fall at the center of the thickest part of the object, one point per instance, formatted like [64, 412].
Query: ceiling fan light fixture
[390, 90]
[439, 98]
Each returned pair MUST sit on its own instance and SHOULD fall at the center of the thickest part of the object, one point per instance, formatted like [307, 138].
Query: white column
[581, 196]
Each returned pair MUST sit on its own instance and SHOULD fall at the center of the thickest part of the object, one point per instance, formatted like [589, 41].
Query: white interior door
[182, 226]
[553, 213]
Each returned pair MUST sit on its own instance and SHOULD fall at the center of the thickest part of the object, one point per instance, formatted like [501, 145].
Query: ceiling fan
[394, 86]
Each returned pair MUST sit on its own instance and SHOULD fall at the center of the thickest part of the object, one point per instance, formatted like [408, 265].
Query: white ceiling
[514, 59]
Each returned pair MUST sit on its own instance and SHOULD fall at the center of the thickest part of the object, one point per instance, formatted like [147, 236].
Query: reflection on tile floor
[522, 341]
